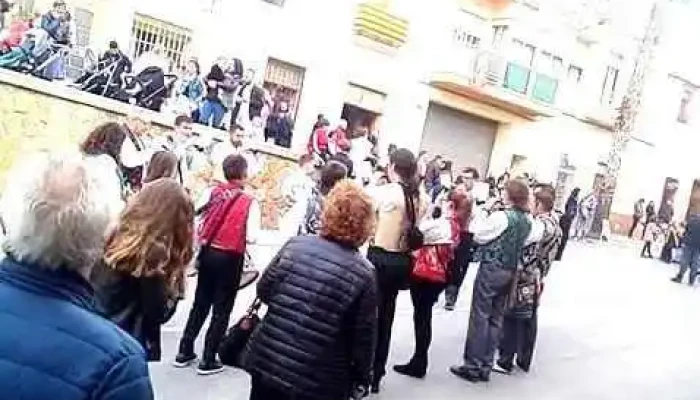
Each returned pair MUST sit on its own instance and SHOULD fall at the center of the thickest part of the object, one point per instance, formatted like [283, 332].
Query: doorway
[360, 121]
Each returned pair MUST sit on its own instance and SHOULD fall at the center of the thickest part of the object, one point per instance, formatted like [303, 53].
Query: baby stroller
[148, 89]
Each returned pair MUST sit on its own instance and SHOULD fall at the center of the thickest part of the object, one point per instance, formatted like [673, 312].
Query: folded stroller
[148, 89]
[106, 80]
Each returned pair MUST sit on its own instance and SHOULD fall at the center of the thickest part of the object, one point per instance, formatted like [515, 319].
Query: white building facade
[526, 86]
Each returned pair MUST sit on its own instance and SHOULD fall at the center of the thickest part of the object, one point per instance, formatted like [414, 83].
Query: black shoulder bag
[414, 237]
[236, 340]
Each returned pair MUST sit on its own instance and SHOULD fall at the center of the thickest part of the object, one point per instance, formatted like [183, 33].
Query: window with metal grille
[284, 81]
[464, 38]
[148, 32]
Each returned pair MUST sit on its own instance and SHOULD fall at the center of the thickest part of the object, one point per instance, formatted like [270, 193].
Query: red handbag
[431, 262]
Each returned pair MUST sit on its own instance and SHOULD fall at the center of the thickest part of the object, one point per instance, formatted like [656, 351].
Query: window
[550, 64]
[462, 38]
[684, 111]
[499, 33]
[275, 2]
[284, 81]
[575, 74]
[607, 96]
[148, 32]
[23, 8]
[523, 52]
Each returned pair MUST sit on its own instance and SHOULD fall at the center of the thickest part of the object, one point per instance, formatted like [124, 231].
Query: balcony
[495, 79]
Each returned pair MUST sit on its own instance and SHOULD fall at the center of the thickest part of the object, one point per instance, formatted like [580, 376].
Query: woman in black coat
[316, 341]
[567, 219]
[143, 270]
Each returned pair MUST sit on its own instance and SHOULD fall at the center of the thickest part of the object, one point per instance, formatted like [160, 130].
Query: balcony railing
[497, 70]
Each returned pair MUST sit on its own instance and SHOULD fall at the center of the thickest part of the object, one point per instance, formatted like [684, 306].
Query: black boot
[375, 387]
[416, 368]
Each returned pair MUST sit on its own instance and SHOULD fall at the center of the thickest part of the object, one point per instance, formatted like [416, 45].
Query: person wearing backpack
[502, 235]
[231, 220]
[400, 206]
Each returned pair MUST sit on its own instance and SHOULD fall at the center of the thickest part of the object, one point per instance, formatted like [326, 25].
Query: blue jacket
[54, 345]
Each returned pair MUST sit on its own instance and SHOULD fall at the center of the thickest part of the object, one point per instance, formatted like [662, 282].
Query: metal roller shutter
[464, 139]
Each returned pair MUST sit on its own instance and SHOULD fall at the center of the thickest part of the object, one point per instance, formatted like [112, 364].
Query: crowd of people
[224, 96]
[99, 242]
[669, 240]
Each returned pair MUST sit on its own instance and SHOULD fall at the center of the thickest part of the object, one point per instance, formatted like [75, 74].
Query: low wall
[36, 115]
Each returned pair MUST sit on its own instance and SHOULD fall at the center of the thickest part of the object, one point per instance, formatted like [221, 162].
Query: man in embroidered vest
[231, 220]
[520, 323]
[501, 235]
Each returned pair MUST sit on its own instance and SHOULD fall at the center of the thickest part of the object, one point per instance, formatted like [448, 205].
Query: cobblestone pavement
[612, 326]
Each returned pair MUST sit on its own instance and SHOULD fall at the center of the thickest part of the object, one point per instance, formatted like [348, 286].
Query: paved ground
[612, 326]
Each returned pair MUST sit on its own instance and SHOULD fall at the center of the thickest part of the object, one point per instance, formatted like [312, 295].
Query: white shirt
[131, 157]
[107, 169]
[225, 149]
[254, 222]
[296, 188]
[487, 228]
[359, 152]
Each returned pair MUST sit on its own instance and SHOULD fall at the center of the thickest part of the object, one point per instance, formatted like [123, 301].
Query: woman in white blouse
[102, 148]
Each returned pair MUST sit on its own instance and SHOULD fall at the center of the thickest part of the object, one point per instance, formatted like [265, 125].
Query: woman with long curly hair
[101, 148]
[143, 268]
[317, 338]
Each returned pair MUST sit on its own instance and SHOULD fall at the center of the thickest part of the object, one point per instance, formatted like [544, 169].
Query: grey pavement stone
[612, 326]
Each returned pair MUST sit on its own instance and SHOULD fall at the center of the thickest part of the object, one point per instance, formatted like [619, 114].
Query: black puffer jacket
[318, 335]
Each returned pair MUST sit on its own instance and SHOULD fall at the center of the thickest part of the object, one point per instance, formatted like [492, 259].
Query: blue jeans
[690, 259]
[212, 111]
[56, 70]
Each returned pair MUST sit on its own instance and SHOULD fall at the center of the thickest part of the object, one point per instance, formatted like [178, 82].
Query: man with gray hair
[53, 342]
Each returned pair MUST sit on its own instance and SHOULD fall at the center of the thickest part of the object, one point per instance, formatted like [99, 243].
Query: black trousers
[518, 337]
[565, 225]
[393, 272]
[424, 295]
[646, 250]
[635, 222]
[458, 267]
[217, 286]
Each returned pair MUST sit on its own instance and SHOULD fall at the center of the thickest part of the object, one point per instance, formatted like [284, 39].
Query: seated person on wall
[59, 25]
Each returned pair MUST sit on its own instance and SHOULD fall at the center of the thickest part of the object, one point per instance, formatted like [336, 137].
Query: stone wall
[38, 116]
